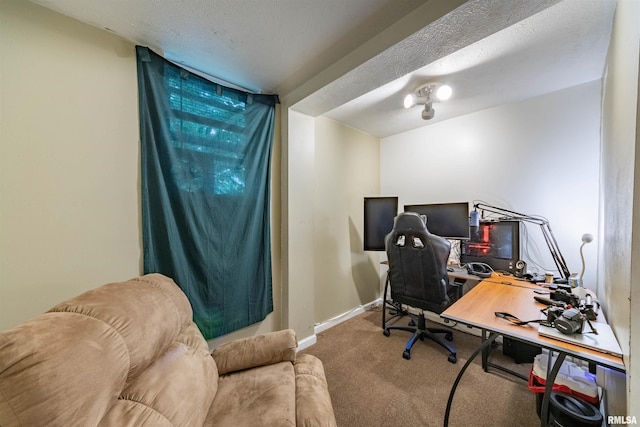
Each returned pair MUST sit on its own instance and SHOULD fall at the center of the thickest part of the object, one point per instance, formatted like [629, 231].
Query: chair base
[420, 332]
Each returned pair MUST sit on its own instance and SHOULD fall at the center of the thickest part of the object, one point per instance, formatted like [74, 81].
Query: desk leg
[485, 352]
[551, 378]
[485, 344]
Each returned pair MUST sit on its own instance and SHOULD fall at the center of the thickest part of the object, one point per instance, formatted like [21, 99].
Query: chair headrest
[410, 220]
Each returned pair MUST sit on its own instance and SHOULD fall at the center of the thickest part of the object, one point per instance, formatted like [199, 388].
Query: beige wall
[298, 247]
[620, 201]
[347, 168]
[69, 157]
[69, 164]
[330, 169]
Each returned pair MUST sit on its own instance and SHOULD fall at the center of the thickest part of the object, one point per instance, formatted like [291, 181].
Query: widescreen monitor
[379, 213]
[496, 243]
[448, 220]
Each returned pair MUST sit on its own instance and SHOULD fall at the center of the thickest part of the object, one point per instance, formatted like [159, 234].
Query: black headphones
[479, 269]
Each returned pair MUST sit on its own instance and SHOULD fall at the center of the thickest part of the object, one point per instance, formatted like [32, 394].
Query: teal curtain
[206, 152]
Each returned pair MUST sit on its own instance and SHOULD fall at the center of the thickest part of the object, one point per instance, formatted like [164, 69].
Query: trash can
[566, 410]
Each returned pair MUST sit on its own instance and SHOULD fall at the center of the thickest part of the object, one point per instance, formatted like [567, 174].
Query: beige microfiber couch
[129, 354]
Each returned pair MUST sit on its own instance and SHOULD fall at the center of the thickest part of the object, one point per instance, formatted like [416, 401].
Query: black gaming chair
[417, 277]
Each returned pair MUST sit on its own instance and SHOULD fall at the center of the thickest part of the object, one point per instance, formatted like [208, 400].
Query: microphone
[474, 219]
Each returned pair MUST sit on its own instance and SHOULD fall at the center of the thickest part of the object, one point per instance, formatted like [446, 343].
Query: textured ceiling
[561, 46]
[255, 44]
[353, 60]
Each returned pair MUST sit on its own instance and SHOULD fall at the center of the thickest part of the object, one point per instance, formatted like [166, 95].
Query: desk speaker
[521, 268]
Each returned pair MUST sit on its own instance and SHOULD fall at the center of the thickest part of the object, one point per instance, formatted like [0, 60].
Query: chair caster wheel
[448, 337]
[452, 358]
[406, 354]
[386, 332]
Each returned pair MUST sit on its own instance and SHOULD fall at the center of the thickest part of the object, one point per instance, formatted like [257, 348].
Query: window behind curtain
[205, 154]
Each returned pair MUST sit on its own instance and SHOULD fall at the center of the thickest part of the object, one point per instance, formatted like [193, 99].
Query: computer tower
[519, 351]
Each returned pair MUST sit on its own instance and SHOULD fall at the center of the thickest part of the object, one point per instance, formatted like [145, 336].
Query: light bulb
[444, 92]
[410, 100]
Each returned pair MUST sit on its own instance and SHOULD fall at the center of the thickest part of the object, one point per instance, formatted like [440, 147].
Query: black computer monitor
[448, 220]
[379, 213]
[496, 243]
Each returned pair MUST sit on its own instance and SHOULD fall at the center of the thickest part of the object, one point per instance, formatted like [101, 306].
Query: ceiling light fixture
[428, 112]
[426, 95]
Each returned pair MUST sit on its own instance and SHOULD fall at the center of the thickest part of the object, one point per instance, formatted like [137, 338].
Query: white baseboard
[433, 317]
[320, 327]
[306, 342]
[345, 316]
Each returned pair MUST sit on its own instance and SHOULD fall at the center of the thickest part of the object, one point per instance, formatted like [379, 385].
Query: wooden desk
[506, 294]
[477, 308]
[461, 273]
[458, 276]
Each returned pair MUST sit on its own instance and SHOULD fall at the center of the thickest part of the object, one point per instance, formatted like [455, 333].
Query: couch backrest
[122, 354]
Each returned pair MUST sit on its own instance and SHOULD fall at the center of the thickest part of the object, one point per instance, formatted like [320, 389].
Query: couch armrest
[259, 350]
[313, 402]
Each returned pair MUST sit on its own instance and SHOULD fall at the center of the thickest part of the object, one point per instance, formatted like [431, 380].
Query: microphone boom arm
[549, 239]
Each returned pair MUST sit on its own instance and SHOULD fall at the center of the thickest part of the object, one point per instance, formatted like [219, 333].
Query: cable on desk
[504, 282]
[513, 319]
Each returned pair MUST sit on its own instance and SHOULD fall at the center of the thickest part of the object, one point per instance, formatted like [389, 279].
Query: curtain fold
[205, 185]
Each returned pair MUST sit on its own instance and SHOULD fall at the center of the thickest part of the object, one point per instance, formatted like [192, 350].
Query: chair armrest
[259, 350]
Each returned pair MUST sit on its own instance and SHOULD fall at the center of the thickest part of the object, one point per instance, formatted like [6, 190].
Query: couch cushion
[129, 345]
[263, 396]
[148, 312]
[175, 390]
[58, 369]
[192, 337]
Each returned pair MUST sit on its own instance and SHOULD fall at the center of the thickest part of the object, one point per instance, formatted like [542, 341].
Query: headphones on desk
[479, 269]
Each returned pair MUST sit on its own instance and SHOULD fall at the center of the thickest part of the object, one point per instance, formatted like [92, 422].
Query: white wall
[620, 277]
[540, 156]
